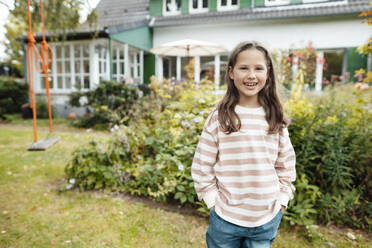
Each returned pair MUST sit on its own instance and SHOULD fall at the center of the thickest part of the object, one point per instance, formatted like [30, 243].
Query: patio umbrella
[188, 48]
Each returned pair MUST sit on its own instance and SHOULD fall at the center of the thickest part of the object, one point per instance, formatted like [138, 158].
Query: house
[118, 47]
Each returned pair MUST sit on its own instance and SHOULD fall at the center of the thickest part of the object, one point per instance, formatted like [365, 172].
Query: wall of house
[294, 33]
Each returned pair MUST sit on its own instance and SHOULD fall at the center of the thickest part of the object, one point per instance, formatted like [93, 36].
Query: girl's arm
[202, 167]
[285, 167]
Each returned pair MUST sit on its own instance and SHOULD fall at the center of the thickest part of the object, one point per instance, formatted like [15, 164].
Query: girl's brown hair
[267, 97]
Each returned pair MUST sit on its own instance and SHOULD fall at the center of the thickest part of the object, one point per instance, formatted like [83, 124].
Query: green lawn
[34, 213]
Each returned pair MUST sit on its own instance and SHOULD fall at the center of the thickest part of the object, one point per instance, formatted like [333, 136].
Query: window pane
[195, 4]
[86, 66]
[114, 68]
[58, 52]
[205, 3]
[223, 2]
[77, 51]
[42, 82]
[77, 66]
[59, 82]
[78, 82]
[68, 82]
[67, 51]
[234, 2]
[51, 83]
[86, 82]
[59, 67]
[122, 67]
[67, 67]
[86, 51]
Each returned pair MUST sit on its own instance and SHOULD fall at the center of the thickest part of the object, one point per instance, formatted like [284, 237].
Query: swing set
[45, 58]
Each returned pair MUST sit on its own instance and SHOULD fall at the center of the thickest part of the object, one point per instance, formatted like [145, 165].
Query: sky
[4, 12]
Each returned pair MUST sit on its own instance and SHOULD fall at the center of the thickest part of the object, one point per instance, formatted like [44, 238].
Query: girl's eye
[259, 68]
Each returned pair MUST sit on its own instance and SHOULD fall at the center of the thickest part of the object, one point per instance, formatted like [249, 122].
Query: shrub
[152, 154]
[12, 95]
[111, 103]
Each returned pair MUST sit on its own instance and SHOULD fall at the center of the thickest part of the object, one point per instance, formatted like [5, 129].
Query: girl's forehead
[251, 56]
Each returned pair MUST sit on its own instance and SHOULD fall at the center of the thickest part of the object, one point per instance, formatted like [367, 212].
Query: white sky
[4, 17]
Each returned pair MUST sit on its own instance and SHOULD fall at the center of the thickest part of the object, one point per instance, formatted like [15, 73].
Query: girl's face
[249, 75]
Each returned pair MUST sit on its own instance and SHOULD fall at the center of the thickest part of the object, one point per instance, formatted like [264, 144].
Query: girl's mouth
[250, 85]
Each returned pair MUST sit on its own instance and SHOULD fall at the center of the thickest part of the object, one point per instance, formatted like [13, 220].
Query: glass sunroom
[81, 64]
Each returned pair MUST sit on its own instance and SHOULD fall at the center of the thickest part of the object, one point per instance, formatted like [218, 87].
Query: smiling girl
[244, 164]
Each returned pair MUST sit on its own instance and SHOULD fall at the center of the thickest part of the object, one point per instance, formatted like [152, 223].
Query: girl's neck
[249, 103]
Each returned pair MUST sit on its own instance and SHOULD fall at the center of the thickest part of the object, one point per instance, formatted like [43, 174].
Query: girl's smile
[249, 75]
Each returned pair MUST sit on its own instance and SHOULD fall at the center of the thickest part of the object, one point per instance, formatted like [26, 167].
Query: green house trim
[156, 7]
[245, 4]
[140, 38]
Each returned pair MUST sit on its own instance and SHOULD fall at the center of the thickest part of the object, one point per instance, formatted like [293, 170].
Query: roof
[119, 12]
[338, 7]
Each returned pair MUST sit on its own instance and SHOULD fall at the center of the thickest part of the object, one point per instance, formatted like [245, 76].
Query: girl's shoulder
[212, 119]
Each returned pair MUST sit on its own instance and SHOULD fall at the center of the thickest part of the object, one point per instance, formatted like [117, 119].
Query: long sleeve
[202, 170]
[285, 167]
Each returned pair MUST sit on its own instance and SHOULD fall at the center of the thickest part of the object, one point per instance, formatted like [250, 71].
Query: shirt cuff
[283, 199]
[210, 198]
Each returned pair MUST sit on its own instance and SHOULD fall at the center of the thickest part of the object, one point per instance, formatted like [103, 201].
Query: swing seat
[43, 144]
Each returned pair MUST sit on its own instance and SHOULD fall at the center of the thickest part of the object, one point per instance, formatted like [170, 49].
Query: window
[118, 63]
[81, 56]
[223, 5]
[198, 6]
[171, 7]
[103, 63]
[276, 2]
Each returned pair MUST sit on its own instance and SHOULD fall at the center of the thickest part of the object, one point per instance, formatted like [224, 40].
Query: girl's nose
[251, 75]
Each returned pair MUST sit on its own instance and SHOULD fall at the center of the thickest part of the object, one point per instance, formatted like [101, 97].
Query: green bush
[12, 95]
[111, 103]
[152, 154]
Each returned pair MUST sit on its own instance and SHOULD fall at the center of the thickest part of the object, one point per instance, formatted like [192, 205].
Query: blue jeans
[223, 234]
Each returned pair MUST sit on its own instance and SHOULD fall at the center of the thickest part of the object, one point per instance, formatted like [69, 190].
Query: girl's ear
[231, 74]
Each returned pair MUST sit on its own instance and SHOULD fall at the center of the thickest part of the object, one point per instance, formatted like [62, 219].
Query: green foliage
[12, 95]
[331, 135]
[111, 103]
[42, 111]
[157, 146]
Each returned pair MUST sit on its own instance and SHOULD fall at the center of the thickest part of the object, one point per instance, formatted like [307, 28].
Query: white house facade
[118, 48]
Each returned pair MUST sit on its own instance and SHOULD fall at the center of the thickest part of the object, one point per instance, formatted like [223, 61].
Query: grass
[35, 213]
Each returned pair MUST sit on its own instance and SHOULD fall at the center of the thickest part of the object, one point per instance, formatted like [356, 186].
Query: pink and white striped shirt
[246, 175]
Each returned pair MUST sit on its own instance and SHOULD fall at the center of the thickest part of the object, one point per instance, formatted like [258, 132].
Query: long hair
[267, 97]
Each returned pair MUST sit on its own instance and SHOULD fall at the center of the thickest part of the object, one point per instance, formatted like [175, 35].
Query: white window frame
[170, 13]
[277, 2]
[228, 6]
[199, 9]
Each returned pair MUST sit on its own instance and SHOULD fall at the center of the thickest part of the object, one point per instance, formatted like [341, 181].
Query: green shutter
[355, 61]
[259, 3]
[156, 7]
[212, 4]
[245, 4]
[184, 6]
[149, 67]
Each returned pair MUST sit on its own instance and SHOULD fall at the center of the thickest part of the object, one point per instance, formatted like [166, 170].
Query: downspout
[252, 4]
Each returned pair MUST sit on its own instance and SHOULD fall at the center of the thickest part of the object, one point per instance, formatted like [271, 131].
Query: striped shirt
[246, 175]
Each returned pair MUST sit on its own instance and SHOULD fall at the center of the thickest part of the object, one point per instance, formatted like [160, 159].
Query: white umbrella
[188, 47]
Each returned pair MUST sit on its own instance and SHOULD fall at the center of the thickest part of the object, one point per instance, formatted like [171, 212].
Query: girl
[244, 164]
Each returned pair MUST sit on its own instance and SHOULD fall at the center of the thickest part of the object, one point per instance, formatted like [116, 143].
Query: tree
[60, 16]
